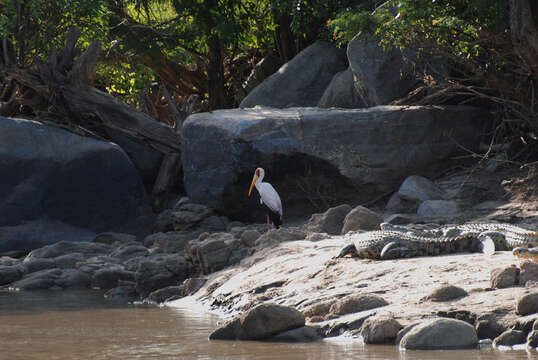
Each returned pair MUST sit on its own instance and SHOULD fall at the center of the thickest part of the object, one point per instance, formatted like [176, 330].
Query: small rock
[73, 278]
[8, 274]
[463, 315]
[509, 338]
[213, 223]
[123, 293]
[169, 242]
[216, 251]
[488, 328]
[433, 208]
[39, 280]
[129, 250]
[361, 218]
[164, 222]
[528, 272]
[404, 331]
[111, 238]
[69, 261]
[33, 265]
[302, 334]
[280, 235]
[397, 204]
[8, 261]
[249, 237]
[399, 219]
[485, 344]
[418, 189]
[153, 274]
[440, 334]
[67, 247]
[527, 304]
[532, 339]
[319, 309]
[447, 293]
[525, 323]
[261, 323]
[192, 285]
[502, 278]
[330, 222]
[189, 215]
[357, 303]
[109, 277]
[380, 330]
[161, 295]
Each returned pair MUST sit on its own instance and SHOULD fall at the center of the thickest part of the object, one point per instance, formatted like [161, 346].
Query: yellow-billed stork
[268, 198]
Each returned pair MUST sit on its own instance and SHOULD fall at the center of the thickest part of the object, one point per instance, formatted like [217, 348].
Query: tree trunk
[217, 95]
[283, 36]
[524, 31]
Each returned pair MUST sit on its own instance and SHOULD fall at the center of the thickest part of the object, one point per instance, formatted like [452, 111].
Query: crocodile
[394, 241]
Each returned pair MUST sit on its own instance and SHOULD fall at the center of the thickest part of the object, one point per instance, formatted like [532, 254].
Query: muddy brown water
[83, 325]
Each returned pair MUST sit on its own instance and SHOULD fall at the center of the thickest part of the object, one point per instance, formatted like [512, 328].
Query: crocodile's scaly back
[399, 241]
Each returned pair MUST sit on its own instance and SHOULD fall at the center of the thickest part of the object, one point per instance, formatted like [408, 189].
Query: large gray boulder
[317, 155]
[301, 81]
[341, 92]
[383, 75]
[61, 182]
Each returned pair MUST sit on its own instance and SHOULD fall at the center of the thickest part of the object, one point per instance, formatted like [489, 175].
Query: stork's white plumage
[268, 197]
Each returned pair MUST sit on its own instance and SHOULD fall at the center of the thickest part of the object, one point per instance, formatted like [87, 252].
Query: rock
[525, 323]
[438, 334]
[301, 81]
[390, 76]
[319, 309]
[509, 338]
[95, 263]
[373, 154]
[302, 334]
[357, 303]
[398, 204]
[109, 277]
[433, 208]
[447, 293]
[488, 328]
[169, 242]
[249, 237]
[330, 222]
[463, 315]
[380, 330]
[417, 188]
[213, 223]
[68, 261]
[129, 250]
[33, 265]
[350, 323]
[341, 92]
[535, 324]
[73, 278]
[39, 280]
[34, 154]
[164, 221]
[8, 261]
[192, 285]
[261, 323]
[503, 278]
[528, 272]
[399, 219]
[402, 333]
[122, 293]
[532, 339]
[361, 218]
[280, 235]
[154, 274]
[111, 238]
[145, 158]
[263, 69]
[527, 304]
[316, 236]
[66, 247]
[8, 274]
[189, 215]
[215, 251]
[161, 295]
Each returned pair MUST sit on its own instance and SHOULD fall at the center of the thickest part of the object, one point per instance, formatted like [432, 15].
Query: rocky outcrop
[341, 92]
[296, 147]
[504, 277]
[55, 184]
[440, 334]
[301, 81]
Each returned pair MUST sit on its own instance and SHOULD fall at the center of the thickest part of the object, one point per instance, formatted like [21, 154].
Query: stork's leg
[268, 224]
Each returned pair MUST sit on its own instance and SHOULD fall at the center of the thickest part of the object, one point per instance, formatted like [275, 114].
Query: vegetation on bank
[162, 51]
